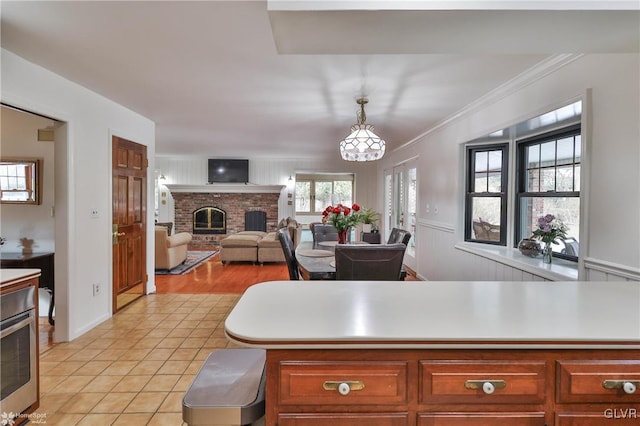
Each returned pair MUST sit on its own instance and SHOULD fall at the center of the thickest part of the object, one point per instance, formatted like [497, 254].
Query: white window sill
[558, 270]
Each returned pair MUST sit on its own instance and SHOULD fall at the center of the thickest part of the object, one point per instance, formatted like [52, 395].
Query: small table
[43, 261]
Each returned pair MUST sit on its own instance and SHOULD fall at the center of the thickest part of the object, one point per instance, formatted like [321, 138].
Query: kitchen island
[445, 353]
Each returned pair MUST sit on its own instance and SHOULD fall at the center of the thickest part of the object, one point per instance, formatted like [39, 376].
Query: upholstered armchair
[171, 250]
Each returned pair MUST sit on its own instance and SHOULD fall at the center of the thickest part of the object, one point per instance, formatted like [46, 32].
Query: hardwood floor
[213, 278]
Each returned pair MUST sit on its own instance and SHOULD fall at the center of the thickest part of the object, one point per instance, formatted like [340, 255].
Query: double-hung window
[486, 193]
[548, 182]
[545, 180]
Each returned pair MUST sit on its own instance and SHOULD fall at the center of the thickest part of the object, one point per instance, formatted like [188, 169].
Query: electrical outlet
[96, 289]
[95, 213]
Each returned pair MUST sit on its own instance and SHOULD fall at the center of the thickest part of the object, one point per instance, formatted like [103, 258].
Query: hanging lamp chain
[362, 117]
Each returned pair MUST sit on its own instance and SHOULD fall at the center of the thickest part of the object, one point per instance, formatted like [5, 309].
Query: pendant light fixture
[362, 144]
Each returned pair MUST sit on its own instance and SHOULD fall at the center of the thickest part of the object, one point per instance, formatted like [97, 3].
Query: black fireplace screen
[255, 221]
[209, 220]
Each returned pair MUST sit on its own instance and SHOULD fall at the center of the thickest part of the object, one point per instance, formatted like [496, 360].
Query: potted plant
[369, 219]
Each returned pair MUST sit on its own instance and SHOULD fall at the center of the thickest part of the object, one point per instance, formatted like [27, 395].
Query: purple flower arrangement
[550, 229]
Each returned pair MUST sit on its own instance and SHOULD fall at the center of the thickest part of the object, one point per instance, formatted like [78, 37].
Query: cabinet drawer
[481, 419]
[614, 416]
[350, 419]
[584, 381]
[463, 382]
[316, 383]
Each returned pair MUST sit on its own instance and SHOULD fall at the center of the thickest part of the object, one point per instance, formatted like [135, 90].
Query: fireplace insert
[209, 220]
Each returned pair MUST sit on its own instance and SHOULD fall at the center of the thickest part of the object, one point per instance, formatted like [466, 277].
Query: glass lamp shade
[362, 144]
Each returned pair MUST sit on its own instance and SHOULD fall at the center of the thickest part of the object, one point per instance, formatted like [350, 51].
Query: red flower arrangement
[343, 218]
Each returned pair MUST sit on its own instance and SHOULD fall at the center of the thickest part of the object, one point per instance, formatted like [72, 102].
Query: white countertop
[356, 314]
[11, 276]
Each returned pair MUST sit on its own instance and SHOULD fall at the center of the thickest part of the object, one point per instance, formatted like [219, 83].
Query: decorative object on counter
[343, 219]
[550, 230]
[529, 247]
[27, 245]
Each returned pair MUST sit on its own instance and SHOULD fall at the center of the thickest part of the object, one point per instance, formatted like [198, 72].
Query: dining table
[320, 263]
[315, 264]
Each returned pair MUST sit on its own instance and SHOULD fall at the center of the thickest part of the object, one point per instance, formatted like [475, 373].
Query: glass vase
[547, 253]
[342, 236]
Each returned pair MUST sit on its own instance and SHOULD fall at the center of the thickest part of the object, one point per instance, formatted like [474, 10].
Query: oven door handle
[28, 317]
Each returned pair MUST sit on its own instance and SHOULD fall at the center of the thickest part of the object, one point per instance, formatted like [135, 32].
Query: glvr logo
[621, 413]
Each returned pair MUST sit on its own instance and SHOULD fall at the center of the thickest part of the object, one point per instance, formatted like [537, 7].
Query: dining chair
[289, 253]
[399, 236]
[324, 232]
[374, 262]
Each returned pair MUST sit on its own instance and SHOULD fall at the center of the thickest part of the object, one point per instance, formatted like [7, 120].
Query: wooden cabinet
[590, 392]
[481, 419]
[603, 381]
[452, 387]
[482, 382]
[613, 416]
[343, 383]
[42, 261]
[344, 419]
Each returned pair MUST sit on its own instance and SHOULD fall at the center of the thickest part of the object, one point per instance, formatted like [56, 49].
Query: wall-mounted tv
[222, 170]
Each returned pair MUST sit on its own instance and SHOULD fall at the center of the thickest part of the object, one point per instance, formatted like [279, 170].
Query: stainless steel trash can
[228, 390]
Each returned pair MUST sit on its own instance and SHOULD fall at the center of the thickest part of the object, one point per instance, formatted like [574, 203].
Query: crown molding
[530, 76]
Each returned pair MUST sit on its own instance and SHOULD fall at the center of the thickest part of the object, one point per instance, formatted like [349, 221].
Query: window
[314, 192]
[486, 193]
[548, 181]
[19, 181]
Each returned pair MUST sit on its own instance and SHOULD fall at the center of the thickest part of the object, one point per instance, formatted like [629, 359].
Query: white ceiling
[210, 75]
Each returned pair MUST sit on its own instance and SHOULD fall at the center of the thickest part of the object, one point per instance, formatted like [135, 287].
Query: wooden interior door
[129, 172]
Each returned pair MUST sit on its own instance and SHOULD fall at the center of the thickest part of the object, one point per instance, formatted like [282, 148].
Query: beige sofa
[171, 250]
[257, 246]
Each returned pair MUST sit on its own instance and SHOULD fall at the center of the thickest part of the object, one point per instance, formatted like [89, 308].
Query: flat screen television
[228, 171]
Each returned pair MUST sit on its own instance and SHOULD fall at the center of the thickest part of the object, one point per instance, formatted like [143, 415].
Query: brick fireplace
[233, 204]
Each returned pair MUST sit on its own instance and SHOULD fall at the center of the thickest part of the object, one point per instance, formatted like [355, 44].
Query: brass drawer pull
[628, 386]
[487, 386]
[343, 387]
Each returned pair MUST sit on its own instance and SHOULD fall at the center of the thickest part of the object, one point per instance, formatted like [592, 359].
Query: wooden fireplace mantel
[227, 188]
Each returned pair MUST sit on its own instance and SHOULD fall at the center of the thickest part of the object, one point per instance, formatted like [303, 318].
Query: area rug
[194, 259]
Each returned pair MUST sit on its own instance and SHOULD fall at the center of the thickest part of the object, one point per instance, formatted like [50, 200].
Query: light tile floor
[134, 368]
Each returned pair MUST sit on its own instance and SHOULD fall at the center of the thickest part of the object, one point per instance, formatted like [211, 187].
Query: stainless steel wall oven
[18, 350]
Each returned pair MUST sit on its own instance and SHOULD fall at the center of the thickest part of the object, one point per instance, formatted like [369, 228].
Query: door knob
[118, 234]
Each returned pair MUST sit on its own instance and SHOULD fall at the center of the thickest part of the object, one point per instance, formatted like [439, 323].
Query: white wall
[611, 214]
[35, 222]
[193, 171]
[83, 183]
